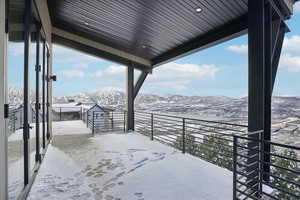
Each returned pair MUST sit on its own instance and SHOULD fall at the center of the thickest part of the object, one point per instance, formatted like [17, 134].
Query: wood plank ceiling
[144, 28]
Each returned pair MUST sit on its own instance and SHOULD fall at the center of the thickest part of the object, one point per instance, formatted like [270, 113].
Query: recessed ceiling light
[198, 10]
[86, 23]
[144, 46]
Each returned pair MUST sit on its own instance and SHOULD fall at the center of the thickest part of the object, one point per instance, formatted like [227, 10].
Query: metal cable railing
[15, 119]
[67, 113]
[232, 147]
[251, 181]
[99, 121]
[209, 140]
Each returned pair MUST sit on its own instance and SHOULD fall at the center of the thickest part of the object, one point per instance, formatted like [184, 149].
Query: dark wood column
[266, 30]
[130, 98]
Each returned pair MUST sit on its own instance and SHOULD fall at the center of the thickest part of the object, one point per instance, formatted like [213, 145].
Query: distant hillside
[206, 106]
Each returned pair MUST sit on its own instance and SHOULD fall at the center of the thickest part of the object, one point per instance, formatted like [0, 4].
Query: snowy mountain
[15, 95]
[206, 106]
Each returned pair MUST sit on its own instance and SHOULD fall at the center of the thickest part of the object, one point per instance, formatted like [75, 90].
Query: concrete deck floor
[120, 166]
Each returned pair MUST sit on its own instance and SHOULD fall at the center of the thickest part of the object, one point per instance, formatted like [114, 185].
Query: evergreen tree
[217, 150]
[286, 175]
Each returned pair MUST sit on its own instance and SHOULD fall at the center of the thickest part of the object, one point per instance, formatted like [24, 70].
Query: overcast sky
[221, 70]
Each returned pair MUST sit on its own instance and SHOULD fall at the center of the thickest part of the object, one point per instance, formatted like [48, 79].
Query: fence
[232, 147]
[209, 140]
[99, 121]
[251, 181]
[66, 113]
[15, 119]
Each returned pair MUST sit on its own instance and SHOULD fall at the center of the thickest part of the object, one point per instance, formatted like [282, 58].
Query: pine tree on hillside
[286, 175]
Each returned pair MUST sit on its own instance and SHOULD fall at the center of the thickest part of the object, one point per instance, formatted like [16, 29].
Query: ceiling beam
[101, 47]
[224, 33]
[97, 53]
[43, 12]
[19, 27]
[277, 52]
[139, 83]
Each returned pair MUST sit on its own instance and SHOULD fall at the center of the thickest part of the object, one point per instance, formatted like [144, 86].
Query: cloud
[113, 71]
[292, 44]
[81, 65]
[290, 57]
[171, 75]
[66, 55]
[180, 76]
[177, 71]
[60, 54]
[238, 48]
[297, 7]
[291, 63]
[72, 73]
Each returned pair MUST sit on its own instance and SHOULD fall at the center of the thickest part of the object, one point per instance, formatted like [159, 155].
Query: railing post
[183, 135]
[261, 161]
[112, 120]
[60, 114]
[234, 167]
[152, 137]
[124, 121]
[15, 117]
[93, 124]
[87, 119]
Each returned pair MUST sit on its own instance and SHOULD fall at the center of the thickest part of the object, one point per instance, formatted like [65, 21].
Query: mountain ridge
[208, 106]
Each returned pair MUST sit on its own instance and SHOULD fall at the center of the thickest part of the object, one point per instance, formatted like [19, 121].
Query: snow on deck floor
[125, 167]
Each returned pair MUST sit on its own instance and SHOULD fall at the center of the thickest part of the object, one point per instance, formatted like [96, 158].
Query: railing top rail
[66, 107]
[250, 133]
[189, 118]
[246, 137]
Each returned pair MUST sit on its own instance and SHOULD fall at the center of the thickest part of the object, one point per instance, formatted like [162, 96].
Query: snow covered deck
[120, 166]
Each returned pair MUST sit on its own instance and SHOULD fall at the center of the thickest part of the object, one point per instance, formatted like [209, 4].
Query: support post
[47, 95]
[50, 89]
[152, 131]
[234, 167]
[93, 123]
[256, 40]
[26, 126]
[87, 119]
[277, 52]
[3, 99]
[37, 95]
[267, 87]
[183, 135]
[43, 95]
[124, 121]
[112, 120]
[130, 98]
[139, 83]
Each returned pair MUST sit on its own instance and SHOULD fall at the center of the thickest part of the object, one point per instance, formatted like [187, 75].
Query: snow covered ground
[120, 166]
[70, 128]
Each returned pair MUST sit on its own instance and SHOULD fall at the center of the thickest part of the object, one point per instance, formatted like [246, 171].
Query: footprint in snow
[139, 195]
[142, 161]
[107, 187]
[109, 197]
